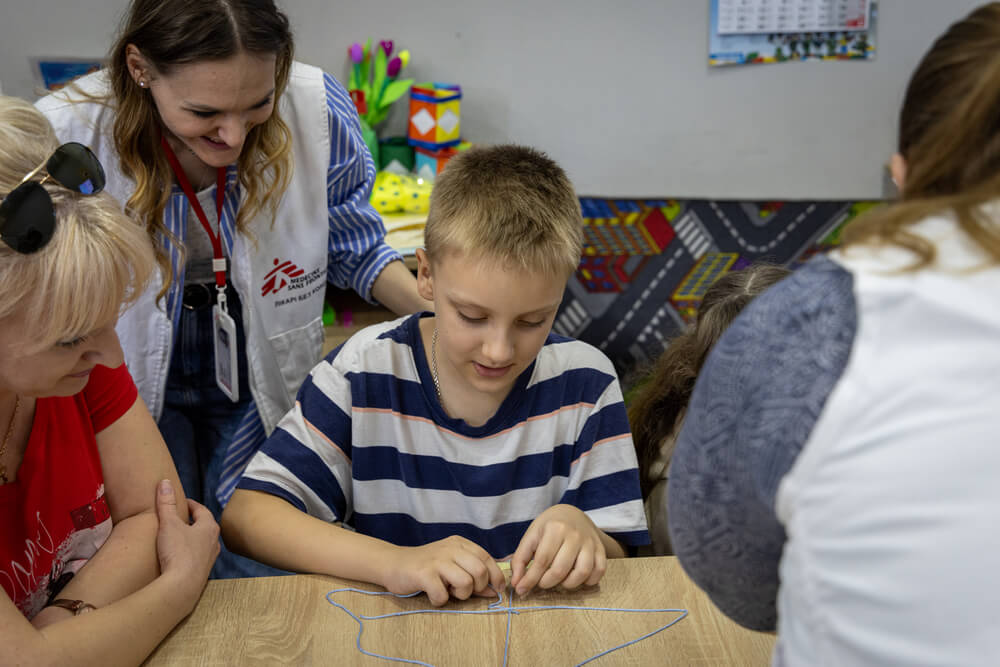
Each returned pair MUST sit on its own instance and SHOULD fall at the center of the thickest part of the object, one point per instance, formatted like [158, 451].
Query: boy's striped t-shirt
[368, 444]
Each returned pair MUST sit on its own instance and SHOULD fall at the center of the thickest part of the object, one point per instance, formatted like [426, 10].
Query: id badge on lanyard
[226, 366]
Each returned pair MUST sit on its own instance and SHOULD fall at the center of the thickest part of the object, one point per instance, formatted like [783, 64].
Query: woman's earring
[142, 84]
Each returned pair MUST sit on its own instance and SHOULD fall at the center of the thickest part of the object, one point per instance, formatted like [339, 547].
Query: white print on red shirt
[47, 568]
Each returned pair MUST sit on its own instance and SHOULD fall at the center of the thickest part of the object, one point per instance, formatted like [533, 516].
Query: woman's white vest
[283, 317]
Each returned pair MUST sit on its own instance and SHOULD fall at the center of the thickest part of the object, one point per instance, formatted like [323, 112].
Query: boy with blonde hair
[450, 440]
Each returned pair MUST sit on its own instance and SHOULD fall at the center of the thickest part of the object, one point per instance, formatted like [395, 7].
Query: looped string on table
[495, 607]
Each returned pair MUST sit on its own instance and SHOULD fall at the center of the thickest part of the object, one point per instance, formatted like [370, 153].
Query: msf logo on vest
[289, 284]
[280, 276]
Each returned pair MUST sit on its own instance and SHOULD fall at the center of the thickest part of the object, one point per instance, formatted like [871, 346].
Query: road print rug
[647, 262]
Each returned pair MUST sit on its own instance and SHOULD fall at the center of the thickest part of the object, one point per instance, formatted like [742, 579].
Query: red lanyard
[218, 260]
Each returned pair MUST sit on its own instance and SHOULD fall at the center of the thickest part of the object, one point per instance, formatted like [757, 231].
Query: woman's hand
[185, 551]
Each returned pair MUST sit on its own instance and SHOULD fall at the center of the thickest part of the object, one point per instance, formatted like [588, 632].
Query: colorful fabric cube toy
[430, 163]
[434, 115]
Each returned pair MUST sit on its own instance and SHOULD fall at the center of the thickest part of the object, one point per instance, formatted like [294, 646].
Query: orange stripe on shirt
[613, 438]
[322, 435]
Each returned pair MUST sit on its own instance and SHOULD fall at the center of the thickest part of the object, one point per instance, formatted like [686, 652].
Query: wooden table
[404, 232]
[287, 620]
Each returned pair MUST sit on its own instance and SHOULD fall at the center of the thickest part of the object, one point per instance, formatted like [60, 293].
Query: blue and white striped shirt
[369, 444]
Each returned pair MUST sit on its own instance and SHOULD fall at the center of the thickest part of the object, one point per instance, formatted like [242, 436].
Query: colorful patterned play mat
[648, 262]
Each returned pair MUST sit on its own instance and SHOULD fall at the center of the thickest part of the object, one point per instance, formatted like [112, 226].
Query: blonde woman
[836, 475]
[249, 173]
[98, 560]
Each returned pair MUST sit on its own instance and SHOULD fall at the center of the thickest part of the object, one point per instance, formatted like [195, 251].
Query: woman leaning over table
[203, 112]
[98, 560]
[836, 475]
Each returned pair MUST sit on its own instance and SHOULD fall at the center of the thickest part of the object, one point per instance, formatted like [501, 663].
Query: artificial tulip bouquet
[374, 86]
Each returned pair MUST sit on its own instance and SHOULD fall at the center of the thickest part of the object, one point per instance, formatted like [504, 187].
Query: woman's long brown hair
[949, 135]
[170, 33]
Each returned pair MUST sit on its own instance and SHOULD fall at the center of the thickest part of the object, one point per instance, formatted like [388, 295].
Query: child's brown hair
[663, 396]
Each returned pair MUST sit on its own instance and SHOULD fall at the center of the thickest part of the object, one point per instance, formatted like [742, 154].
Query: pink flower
[392, 69]
[356, 53]
[386, 46]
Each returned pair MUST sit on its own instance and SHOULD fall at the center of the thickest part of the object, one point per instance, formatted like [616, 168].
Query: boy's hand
[566, 548]
[452, 567]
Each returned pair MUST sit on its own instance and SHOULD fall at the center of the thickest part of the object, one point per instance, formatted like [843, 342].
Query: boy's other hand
[452, 567]
[565, 547]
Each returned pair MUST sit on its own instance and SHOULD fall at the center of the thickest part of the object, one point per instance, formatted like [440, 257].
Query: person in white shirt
[836, 475]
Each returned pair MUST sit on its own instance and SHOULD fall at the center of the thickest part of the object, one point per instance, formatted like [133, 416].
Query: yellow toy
[395, 193]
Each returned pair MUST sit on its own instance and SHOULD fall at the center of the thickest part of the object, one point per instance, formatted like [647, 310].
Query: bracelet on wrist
[76, 606]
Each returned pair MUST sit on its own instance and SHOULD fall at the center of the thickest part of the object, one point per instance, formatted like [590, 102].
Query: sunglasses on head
[27, 219]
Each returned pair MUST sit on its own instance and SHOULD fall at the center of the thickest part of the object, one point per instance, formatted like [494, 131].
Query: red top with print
[54, 517]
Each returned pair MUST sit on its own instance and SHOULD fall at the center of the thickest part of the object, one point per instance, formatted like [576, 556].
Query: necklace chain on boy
[6, 439]
[434, 364]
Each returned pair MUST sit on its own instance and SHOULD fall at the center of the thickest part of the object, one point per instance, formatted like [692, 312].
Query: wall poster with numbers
[745, 32]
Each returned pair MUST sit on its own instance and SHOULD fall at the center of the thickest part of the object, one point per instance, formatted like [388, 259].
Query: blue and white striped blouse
[357, 247]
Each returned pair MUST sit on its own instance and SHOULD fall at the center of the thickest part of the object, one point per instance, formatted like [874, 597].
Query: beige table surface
[287, 620]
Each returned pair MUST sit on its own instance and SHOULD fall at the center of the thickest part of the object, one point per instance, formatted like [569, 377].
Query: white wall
[619, 92]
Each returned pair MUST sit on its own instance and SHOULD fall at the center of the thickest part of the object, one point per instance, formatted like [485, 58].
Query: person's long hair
[170, 33]
[949, 135]
[659, 404]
